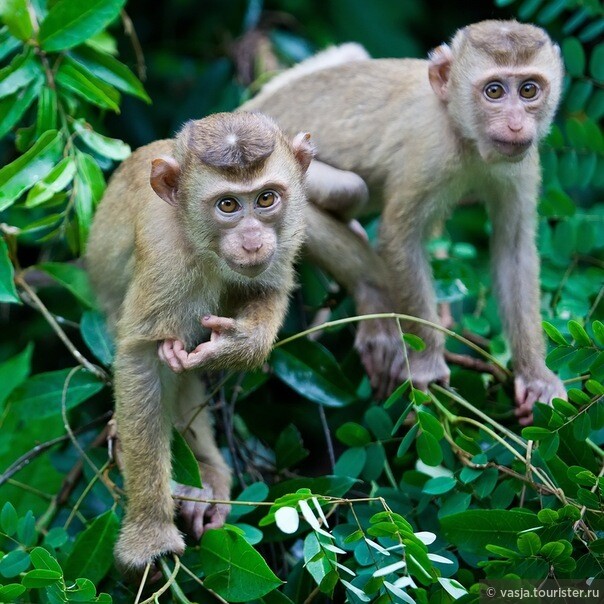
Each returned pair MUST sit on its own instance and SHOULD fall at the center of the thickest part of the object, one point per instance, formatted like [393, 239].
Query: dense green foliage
[415, 499]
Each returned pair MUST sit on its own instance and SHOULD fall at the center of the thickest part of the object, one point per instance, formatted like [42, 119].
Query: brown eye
[494, 90]
[266, 199]
[228, 205]
[529, 90]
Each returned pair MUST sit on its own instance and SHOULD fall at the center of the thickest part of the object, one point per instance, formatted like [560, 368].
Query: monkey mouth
[511, 148]
[250, 270]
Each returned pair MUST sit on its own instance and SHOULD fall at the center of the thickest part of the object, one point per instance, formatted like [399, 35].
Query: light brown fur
[422, 135]
[162, 272]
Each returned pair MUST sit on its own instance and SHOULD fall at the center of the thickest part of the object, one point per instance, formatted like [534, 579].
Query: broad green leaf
[439, 485]
[41, 578]
[13, 107]
[413, 341]
[78, 80]
[15, 15]
[32, 166]
[407, 440]
[528, 544]
[94, 332]
[310, 370]
[14, 563]
[581, 427]
[376, 460]
[70, 23]
[318, 561]
[574, 56]
[41, 395]
[46, 118]
[579, 334]
[596, 63]
[90, 185]
[428, 449]
[473, 530]
[8, 291]
[40, 558]
[26, 529]
[351, 462]
[73, 278]
[110, 70]
[353, 434]
[536, 433]
[23, 69]
[548, 447]
[112, 148]
[553, 334]
[379, 422]
[430, 424]
[598, 329]
[10, 592]
[233, 568]
[255, 492]
[8, 43]
[92, 554]
[8, 519]
[54, 182]
[185, 468]
[289, 449]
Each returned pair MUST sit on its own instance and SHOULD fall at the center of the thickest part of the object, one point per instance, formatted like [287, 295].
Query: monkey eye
[494, 91]
[267, 199]
[228, 205]
[529, 90]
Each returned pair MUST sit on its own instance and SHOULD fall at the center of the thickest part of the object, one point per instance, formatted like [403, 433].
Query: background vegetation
[421, 506]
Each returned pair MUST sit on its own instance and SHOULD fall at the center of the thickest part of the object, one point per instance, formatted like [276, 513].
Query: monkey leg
[340, 192]
[144, 391]
[355, 265]
[193, 420]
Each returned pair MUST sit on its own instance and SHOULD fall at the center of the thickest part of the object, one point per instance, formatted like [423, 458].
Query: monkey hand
[427, 367]
[528, 389]
[200, 516]
[173, 352]
[143, 542]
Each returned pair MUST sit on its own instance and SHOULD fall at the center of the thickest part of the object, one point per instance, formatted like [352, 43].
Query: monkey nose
[515, 126]
[251, 246]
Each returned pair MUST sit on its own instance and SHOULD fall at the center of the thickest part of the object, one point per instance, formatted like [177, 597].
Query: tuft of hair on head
[507, 42]
[230, 141]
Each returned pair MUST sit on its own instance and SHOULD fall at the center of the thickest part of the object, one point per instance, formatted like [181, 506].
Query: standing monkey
[423, 134]
[207, 270]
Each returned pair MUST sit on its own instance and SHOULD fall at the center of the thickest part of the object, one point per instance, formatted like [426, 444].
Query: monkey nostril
[252, 247]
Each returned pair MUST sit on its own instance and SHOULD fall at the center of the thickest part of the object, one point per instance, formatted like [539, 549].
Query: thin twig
[77, 355]
[468, 362]
[166, 585]
[130, 31]
[142, 584]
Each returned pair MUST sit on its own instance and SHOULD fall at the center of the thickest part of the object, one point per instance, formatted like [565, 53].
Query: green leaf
[96, 335]
[11, 592]
[529, 544]
[574, 56]
[353, 434]
[23, 69]
[46, 118]
[26, 529]
[8, 44]
[41, 578]
[376, 460]
[54, 182]
[92, 553]
[32, 166]
[40, 396]
[428, 449]
[110, 70]
[579, 334]
[8, 291]
[473, 530]
[536, 433]
[289, 449]
[407, 440]
[90, 185]
[112, 148]
[379, 422]
[414, 342]
[75, 78]
[430, 424]
[309, 369]
[233, 568]
[255, 492]
[14, 563]
[71, 277]
[351, 462]
[548, 447]
[553, 334]
[598, 329]
[70, 23]
[581, 427]
[40, 558]
[596, 63]
[8, 519]
[439, 485]
[15, 15]
[185, 467]
[13, 107]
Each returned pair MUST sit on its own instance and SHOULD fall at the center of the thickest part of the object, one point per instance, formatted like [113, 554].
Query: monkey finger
[166, 354]
[217, 515]
[218, 324]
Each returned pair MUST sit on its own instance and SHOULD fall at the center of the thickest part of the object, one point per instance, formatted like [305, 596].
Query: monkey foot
[530, 389]
[200, 516]
[141, 544]
[427, 367]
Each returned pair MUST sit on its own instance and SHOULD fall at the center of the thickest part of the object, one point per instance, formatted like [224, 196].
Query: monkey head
[237, 185]
[501, 81]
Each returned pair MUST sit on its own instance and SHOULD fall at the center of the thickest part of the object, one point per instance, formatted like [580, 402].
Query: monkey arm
[516, 279]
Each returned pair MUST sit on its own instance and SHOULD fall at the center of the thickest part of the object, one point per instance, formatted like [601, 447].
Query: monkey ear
[164, 178]
[304, 150]
[439, 69]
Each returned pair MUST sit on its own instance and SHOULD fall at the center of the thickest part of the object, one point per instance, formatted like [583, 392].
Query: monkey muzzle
[512, 149]
[250, 265]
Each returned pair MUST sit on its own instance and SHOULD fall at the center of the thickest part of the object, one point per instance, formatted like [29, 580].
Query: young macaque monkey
[191, 256]
[423, 134]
